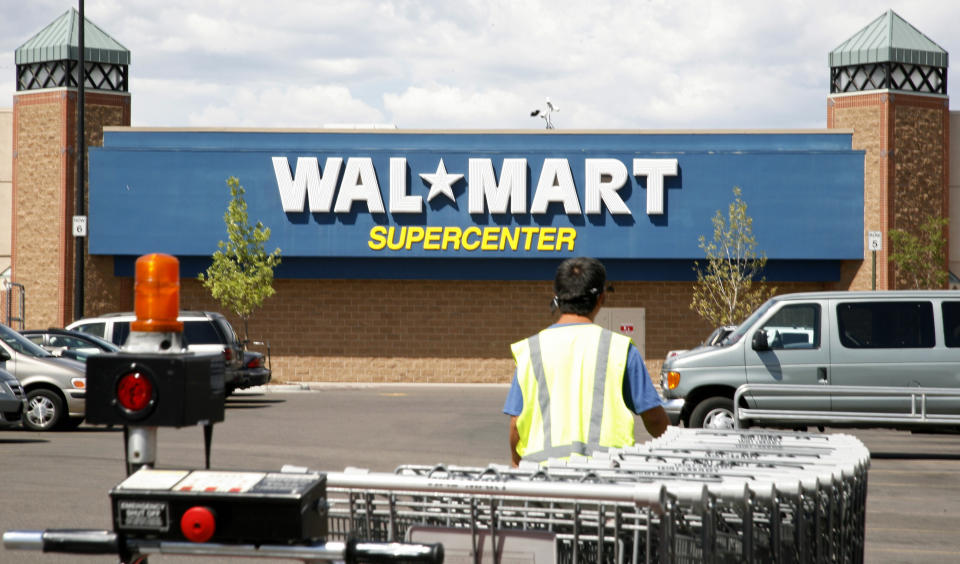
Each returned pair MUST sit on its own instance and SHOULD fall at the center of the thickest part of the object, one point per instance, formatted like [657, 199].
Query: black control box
[229, 507]
[153, 389]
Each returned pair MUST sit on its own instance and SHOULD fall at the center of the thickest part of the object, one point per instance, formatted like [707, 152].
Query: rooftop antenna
[545, 113]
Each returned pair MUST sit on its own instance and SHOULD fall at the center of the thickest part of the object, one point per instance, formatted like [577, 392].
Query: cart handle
[91, 541]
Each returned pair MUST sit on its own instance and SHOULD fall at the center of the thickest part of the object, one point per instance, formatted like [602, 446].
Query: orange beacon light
[156, 292]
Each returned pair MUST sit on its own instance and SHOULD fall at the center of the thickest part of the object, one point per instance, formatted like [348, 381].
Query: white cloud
[448, 107]
[646, 64]
[283, 106]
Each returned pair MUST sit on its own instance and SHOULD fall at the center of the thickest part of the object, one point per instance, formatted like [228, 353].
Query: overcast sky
[485, 64]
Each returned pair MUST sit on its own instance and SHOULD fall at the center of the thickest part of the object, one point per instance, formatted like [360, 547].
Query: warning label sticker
[149, 479]
[143, 515]
[219, 482]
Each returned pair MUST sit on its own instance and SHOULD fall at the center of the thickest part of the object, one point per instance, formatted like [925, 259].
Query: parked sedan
[69, 344]
[253, 372]
[55, 387]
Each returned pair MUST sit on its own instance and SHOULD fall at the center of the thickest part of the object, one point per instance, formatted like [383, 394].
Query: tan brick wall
[433, 331]
[906, 139]
[43, 197]
[103, 292]
[921, 141]
[866, 115]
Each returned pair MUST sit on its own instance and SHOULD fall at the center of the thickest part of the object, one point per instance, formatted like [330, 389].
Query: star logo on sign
[441, 182]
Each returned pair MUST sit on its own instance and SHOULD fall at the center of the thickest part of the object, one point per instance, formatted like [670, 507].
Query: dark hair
[578, 285]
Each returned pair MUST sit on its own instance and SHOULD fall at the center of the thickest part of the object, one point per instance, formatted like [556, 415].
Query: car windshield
[21, 344]
[722, 334]
[227, 330]
[717, 336]
[747, 324]
[101, 343]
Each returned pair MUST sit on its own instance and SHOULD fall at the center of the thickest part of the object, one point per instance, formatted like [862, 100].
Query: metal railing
[13, 304]
[917, 414]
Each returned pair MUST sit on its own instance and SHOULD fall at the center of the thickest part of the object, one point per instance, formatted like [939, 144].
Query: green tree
[726, 290]
[920, 257]
[241, 275]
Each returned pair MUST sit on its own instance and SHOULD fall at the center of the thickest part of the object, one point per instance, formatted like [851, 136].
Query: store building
[418, 256]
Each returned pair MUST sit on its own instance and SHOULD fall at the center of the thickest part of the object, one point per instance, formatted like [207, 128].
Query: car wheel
[44, 410]
[713, 413]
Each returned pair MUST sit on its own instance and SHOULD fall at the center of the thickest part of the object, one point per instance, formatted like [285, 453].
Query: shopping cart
[689, 496]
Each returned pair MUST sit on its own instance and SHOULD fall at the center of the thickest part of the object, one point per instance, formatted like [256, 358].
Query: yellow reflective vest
[571, 377]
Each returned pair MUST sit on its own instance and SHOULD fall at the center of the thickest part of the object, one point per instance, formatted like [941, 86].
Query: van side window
[951, 324]
[885, 325]
[201, 333]
[794, 327]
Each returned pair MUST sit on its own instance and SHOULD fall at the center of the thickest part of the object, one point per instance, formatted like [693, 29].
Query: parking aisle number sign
[79, 226]
[874, 240]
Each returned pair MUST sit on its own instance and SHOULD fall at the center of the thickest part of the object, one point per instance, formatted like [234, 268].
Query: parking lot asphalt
[61, 479]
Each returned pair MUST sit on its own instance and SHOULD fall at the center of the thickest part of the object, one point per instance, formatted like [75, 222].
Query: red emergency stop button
[198, 524]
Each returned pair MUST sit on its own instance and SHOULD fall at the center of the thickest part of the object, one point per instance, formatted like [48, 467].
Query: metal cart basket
[689, 496]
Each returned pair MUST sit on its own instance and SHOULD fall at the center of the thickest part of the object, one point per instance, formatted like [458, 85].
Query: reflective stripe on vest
[537, 442]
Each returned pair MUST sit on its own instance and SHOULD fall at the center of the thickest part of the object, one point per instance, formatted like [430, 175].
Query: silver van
[830, 339]
[55, 388]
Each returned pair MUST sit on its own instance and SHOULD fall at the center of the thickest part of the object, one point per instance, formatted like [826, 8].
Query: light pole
[80, 207]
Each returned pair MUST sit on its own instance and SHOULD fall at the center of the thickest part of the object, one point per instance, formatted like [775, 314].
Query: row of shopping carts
[691, 495]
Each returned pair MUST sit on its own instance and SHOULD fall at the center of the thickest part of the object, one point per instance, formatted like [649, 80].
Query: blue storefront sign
[479, 205]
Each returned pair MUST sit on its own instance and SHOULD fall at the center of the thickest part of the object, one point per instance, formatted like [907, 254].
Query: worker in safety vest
[577, 385]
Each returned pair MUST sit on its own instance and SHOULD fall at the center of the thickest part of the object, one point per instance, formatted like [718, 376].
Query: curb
[294, 387]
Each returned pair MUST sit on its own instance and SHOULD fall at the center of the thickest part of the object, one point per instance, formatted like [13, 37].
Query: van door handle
[822, 375]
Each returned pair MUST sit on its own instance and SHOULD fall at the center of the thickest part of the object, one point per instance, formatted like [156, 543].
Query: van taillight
[254, 362]
[227, 354]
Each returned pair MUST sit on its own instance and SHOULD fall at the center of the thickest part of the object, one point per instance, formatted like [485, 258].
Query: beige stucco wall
[6, 185]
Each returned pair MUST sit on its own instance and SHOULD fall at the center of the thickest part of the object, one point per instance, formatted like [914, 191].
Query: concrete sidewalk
[292, 387]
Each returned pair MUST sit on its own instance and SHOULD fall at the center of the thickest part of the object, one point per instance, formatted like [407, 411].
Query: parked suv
[203, 332]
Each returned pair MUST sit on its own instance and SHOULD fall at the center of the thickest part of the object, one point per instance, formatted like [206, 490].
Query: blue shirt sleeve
[638, 391]
[514, 403]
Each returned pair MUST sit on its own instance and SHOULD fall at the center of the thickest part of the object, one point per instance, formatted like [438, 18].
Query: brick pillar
[906, 174]
[44, 173]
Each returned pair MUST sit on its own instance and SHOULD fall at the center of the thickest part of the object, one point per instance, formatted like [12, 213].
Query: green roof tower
[889, 54]
[49, 58]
